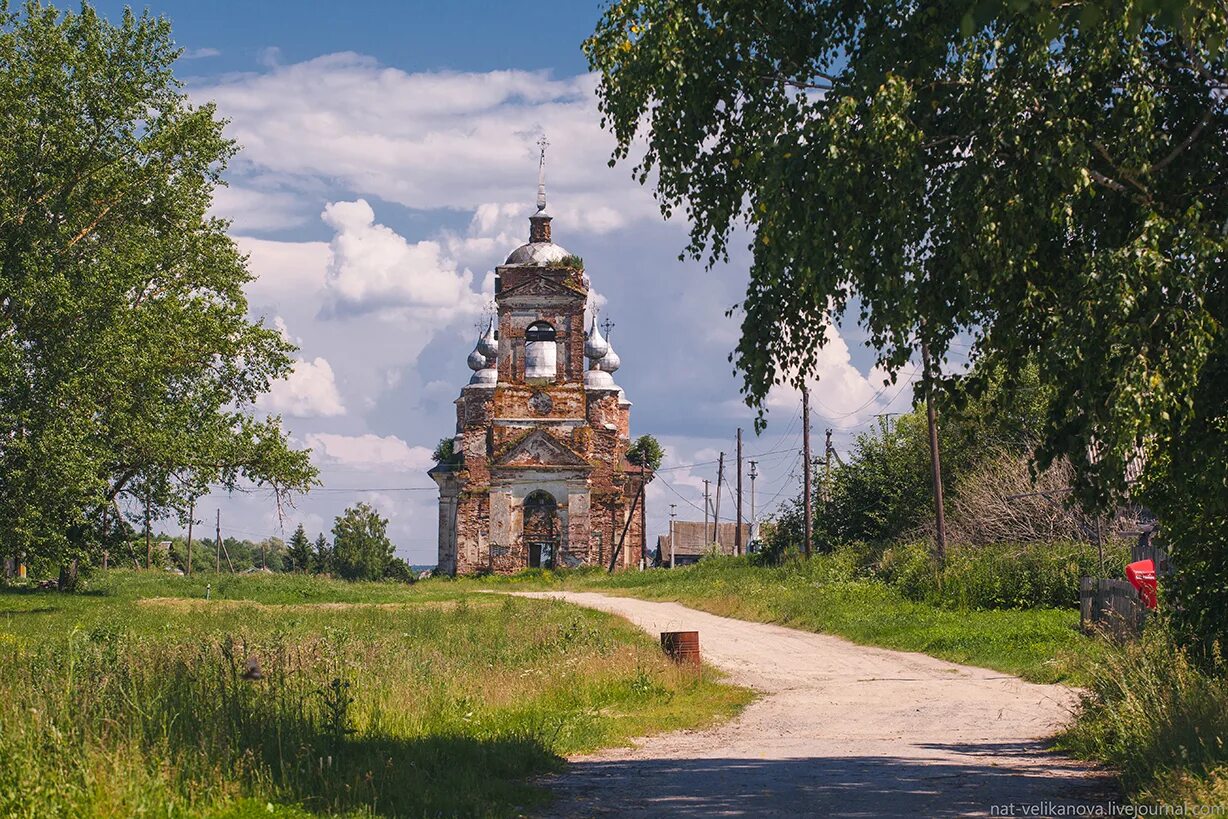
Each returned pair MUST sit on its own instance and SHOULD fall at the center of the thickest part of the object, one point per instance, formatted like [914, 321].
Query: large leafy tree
[128, 366]
[1047, 179]
[361, 548]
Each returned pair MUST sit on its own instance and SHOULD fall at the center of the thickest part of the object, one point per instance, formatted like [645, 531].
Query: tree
[299, 551]
[128, 366]
[323, 560]
[646, 452]
[1048, 180]
[445, 451]
[361, 548]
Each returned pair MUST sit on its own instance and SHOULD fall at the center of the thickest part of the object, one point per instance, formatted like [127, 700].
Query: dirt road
[841, 730]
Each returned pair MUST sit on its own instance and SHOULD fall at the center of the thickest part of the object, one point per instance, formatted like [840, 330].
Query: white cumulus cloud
[309, 391]
[373, 267]
[369, 452]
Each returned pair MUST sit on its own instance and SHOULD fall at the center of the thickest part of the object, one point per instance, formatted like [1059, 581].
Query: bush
[998, 576]
[398, 570]
[1159, 717]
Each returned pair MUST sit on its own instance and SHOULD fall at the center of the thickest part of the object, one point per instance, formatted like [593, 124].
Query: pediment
[538, 286]
[541, 449]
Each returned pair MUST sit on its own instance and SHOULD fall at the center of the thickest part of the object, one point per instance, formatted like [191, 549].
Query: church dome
[488, 344]
[595, 346]
[610, 362]
[537, 253]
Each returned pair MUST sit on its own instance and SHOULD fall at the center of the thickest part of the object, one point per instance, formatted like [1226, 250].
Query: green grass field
[1041, 645]
[130, 698]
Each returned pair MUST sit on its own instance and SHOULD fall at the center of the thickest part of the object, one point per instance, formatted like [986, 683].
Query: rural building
[539, 474]
[693, 540]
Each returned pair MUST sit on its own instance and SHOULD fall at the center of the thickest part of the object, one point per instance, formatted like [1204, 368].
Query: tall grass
[121, 705]
[995, 576]
[1159, 718]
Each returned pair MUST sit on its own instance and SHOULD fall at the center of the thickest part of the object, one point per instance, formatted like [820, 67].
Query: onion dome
[488, 344]
[595, 345]
[610, 362]
[482, 359]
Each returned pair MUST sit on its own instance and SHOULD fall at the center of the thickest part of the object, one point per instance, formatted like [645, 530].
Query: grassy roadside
[373, 699]
[823, 595]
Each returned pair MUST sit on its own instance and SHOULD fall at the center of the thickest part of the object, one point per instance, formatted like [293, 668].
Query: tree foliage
[1046, 179]
[299, 553]
[128, 366]
[361, 548]
[646, 452]
[323, 557]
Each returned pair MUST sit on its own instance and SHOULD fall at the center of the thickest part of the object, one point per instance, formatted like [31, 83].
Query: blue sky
[388, 165]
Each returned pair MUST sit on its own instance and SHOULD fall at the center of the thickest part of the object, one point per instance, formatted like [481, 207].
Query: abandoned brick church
[539, 474]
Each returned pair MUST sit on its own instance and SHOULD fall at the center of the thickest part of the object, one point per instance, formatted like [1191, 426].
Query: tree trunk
[68, 576]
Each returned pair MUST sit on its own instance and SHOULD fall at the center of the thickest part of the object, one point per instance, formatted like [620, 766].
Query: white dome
[537, 253]
[488, 345]
[595, 345]
[599, 380]
[485, 378]
[610, 362]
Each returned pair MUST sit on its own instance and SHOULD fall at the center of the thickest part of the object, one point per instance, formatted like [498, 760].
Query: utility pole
[264, 564]
[672, 530]
[707, 505]
[217, 562]
[806, 499]
[754, 473]
[737, 530]
[827, 468]
[884, 421]
[940, 543]
[720, 480]
[148, 535]
[191, 511]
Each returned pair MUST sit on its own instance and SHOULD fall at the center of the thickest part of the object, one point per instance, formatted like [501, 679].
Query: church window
[540, 352]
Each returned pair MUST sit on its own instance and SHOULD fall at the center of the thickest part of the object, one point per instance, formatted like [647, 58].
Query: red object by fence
[1142, 574]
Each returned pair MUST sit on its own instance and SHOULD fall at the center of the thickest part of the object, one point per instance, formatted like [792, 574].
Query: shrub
[997, 576]
[1159, 717]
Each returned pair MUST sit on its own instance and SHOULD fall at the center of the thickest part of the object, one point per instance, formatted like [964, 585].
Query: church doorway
[541, 529]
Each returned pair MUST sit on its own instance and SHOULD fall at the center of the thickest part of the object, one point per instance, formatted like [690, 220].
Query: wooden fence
[1110, 606]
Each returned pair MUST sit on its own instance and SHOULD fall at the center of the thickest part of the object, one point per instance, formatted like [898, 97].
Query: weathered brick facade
[540, 475]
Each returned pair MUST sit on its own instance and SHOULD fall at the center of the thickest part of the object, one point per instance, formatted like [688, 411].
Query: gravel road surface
[839, 730]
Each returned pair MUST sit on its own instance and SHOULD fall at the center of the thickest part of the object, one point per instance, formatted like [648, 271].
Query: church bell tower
[539, 475]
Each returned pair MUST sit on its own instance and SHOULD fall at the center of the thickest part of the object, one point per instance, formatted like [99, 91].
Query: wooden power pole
[807, 501]
[148, 535]
[191, 515]
[827, 468]
[754, 473]
[673, 513]
[707, 505]
[940, 541]
[737, 530]
[217, 561]
[716, 513]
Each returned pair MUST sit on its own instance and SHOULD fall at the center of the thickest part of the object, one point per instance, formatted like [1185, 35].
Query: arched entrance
[541, 529]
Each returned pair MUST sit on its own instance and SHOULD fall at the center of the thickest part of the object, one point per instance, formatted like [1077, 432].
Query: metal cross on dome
[541, 174]
[608, 325]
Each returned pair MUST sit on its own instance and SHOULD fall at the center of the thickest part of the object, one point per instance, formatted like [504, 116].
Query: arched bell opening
[540, 352]
[541, 529]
